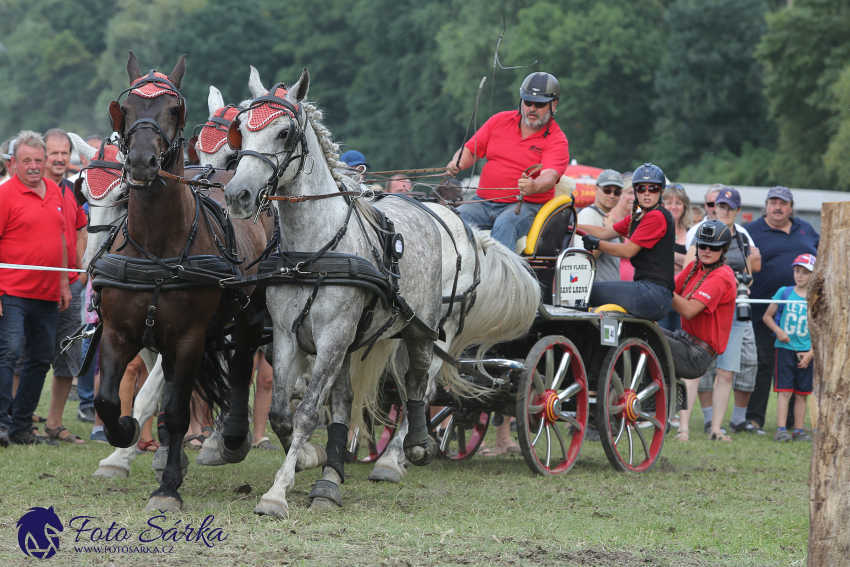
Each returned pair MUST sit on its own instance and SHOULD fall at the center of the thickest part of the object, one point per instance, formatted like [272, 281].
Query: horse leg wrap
[417, 433]
[337, 438]
[162, 432]
[327, 489]
[237, 420]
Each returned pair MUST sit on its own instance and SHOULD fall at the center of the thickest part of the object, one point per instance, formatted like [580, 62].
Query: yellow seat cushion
[609, 307]
[539, 220]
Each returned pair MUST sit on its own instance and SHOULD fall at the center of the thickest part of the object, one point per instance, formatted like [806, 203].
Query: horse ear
[81, 146]
[298, 91]
[215, 100]
[116, 117]
[133, 68]
[255, 84]
[176, 76]
[234, 136]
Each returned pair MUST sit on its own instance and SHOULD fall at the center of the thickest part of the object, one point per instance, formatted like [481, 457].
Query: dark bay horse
[176, 305]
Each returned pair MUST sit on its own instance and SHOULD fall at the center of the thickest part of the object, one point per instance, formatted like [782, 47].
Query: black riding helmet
[540, 87]
[648, 173]
[713, 233]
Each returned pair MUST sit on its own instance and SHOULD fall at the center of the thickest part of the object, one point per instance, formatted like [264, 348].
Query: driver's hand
[452, 169]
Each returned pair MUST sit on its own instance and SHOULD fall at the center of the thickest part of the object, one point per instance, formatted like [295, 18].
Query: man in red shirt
[32, 232]
[513, 143]
[58, 159]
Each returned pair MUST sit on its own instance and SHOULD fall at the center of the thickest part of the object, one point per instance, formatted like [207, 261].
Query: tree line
[750, 92]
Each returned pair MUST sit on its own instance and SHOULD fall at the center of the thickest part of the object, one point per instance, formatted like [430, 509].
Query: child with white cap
[794, 372]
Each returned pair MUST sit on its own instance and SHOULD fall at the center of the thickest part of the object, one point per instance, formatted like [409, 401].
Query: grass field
[704, 504]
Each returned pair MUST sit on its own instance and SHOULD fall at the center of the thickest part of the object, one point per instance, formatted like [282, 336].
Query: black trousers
[765, 341]
[689, 360]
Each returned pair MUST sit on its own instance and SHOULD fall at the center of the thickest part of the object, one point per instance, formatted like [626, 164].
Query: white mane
[330, 149]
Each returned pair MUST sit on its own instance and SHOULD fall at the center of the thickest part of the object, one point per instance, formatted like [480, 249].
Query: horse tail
[366, 378]
[213, 382]
[505, 306]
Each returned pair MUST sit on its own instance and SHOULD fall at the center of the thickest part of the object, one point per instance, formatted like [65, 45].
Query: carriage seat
[562, 199]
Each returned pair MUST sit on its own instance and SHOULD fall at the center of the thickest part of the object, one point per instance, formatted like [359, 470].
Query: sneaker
[801, 436]
[782, 437]
[757, 427]
[99, 436]
[4, 437]
[30, 438]
[706, 428]
[743, 427]
[86, 415]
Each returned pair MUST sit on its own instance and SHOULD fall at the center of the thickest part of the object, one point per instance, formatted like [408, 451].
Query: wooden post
[829, 322]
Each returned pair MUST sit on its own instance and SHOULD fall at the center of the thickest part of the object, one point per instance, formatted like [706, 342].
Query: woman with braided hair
[650, 240]
[705, 298]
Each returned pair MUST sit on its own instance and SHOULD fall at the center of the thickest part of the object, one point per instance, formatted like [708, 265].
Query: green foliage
[836, 157]
[604, 55]
[709, 86]
[751, 167]
[804, 52]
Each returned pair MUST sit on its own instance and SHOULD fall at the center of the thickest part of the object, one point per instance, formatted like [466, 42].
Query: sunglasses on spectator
[709, 204]
[710, 247]
[640, 189]
[535, 104]
[608, 191]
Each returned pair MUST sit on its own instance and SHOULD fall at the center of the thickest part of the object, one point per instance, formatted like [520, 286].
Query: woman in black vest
[650, 245]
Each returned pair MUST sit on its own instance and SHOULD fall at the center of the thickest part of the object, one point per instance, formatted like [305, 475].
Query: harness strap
[306, 310]
[147, 337]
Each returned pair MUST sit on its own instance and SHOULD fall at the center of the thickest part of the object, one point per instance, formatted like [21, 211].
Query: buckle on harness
[297, 269]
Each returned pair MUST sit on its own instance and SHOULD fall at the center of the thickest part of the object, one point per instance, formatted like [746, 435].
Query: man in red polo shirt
[32, 227]
[513, 142]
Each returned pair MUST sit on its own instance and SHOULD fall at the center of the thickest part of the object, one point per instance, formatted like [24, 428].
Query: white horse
[271, 140]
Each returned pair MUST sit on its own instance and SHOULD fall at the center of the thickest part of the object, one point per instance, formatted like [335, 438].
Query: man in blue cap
[781, 237]
[353, 159]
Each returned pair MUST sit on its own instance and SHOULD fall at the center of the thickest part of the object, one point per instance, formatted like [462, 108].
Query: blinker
[234, 136]
[78, 191]
[194, 159]
[116, 117]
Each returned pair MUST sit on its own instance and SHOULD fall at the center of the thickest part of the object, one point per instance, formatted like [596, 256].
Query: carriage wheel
[552, 406]
[463, 432]
[373, 443]
[631, 406]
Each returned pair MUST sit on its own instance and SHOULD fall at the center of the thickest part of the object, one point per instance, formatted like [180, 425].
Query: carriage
[578, 366]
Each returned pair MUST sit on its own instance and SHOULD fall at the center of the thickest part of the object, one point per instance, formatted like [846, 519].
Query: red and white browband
[100, 178]
[214, 133]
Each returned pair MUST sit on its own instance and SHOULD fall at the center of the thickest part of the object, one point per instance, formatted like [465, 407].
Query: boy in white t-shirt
[794, 372]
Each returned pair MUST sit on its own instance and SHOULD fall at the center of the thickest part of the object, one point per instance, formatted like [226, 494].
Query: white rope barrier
[38, 268]
[739, 301]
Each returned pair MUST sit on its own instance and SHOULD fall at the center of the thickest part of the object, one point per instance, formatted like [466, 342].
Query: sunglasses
[710, 247]
[535, 104]
[608, 191]
[709, 204]
[640, 189]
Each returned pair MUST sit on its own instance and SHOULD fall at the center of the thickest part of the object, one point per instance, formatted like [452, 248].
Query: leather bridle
[217, 122]
[295, 136]
[174, 147]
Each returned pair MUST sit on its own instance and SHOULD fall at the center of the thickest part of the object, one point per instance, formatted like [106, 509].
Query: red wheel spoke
[538, 382]
[614, 410]
[534, 410]
[631, 445]
[571, 420]
[539, 431]
[548, 448]
[620, 432]
[627, 367]
[550, 364]
[618, 385]
[562, 371]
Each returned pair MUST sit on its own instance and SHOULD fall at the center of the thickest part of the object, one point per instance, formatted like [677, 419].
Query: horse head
[271, 137]
[209, 144]
[103, 188]
[150, 121]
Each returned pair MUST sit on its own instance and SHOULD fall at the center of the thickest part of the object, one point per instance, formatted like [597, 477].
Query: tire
[552, 406]
[627, 411]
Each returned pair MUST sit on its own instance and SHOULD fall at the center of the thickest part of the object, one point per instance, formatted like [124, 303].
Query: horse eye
[174, 111]
[283, 134]
[123, 111]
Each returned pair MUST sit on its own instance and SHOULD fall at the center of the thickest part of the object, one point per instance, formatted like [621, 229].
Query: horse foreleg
[118, 463]
[115, 355]
[181, 374]
[328, 363]
[326, 493]
[235, 440]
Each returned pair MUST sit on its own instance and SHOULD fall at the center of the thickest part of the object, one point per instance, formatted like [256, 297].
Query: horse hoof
[234, 455]
[381, 474]
[421, 455]
[210, 457]
[120, 439]
[323, 504]
[325, 490]
[269, 508]
[165, 504]
[109, 471]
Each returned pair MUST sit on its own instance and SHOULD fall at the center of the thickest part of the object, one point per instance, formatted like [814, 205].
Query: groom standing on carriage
[515, 143]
